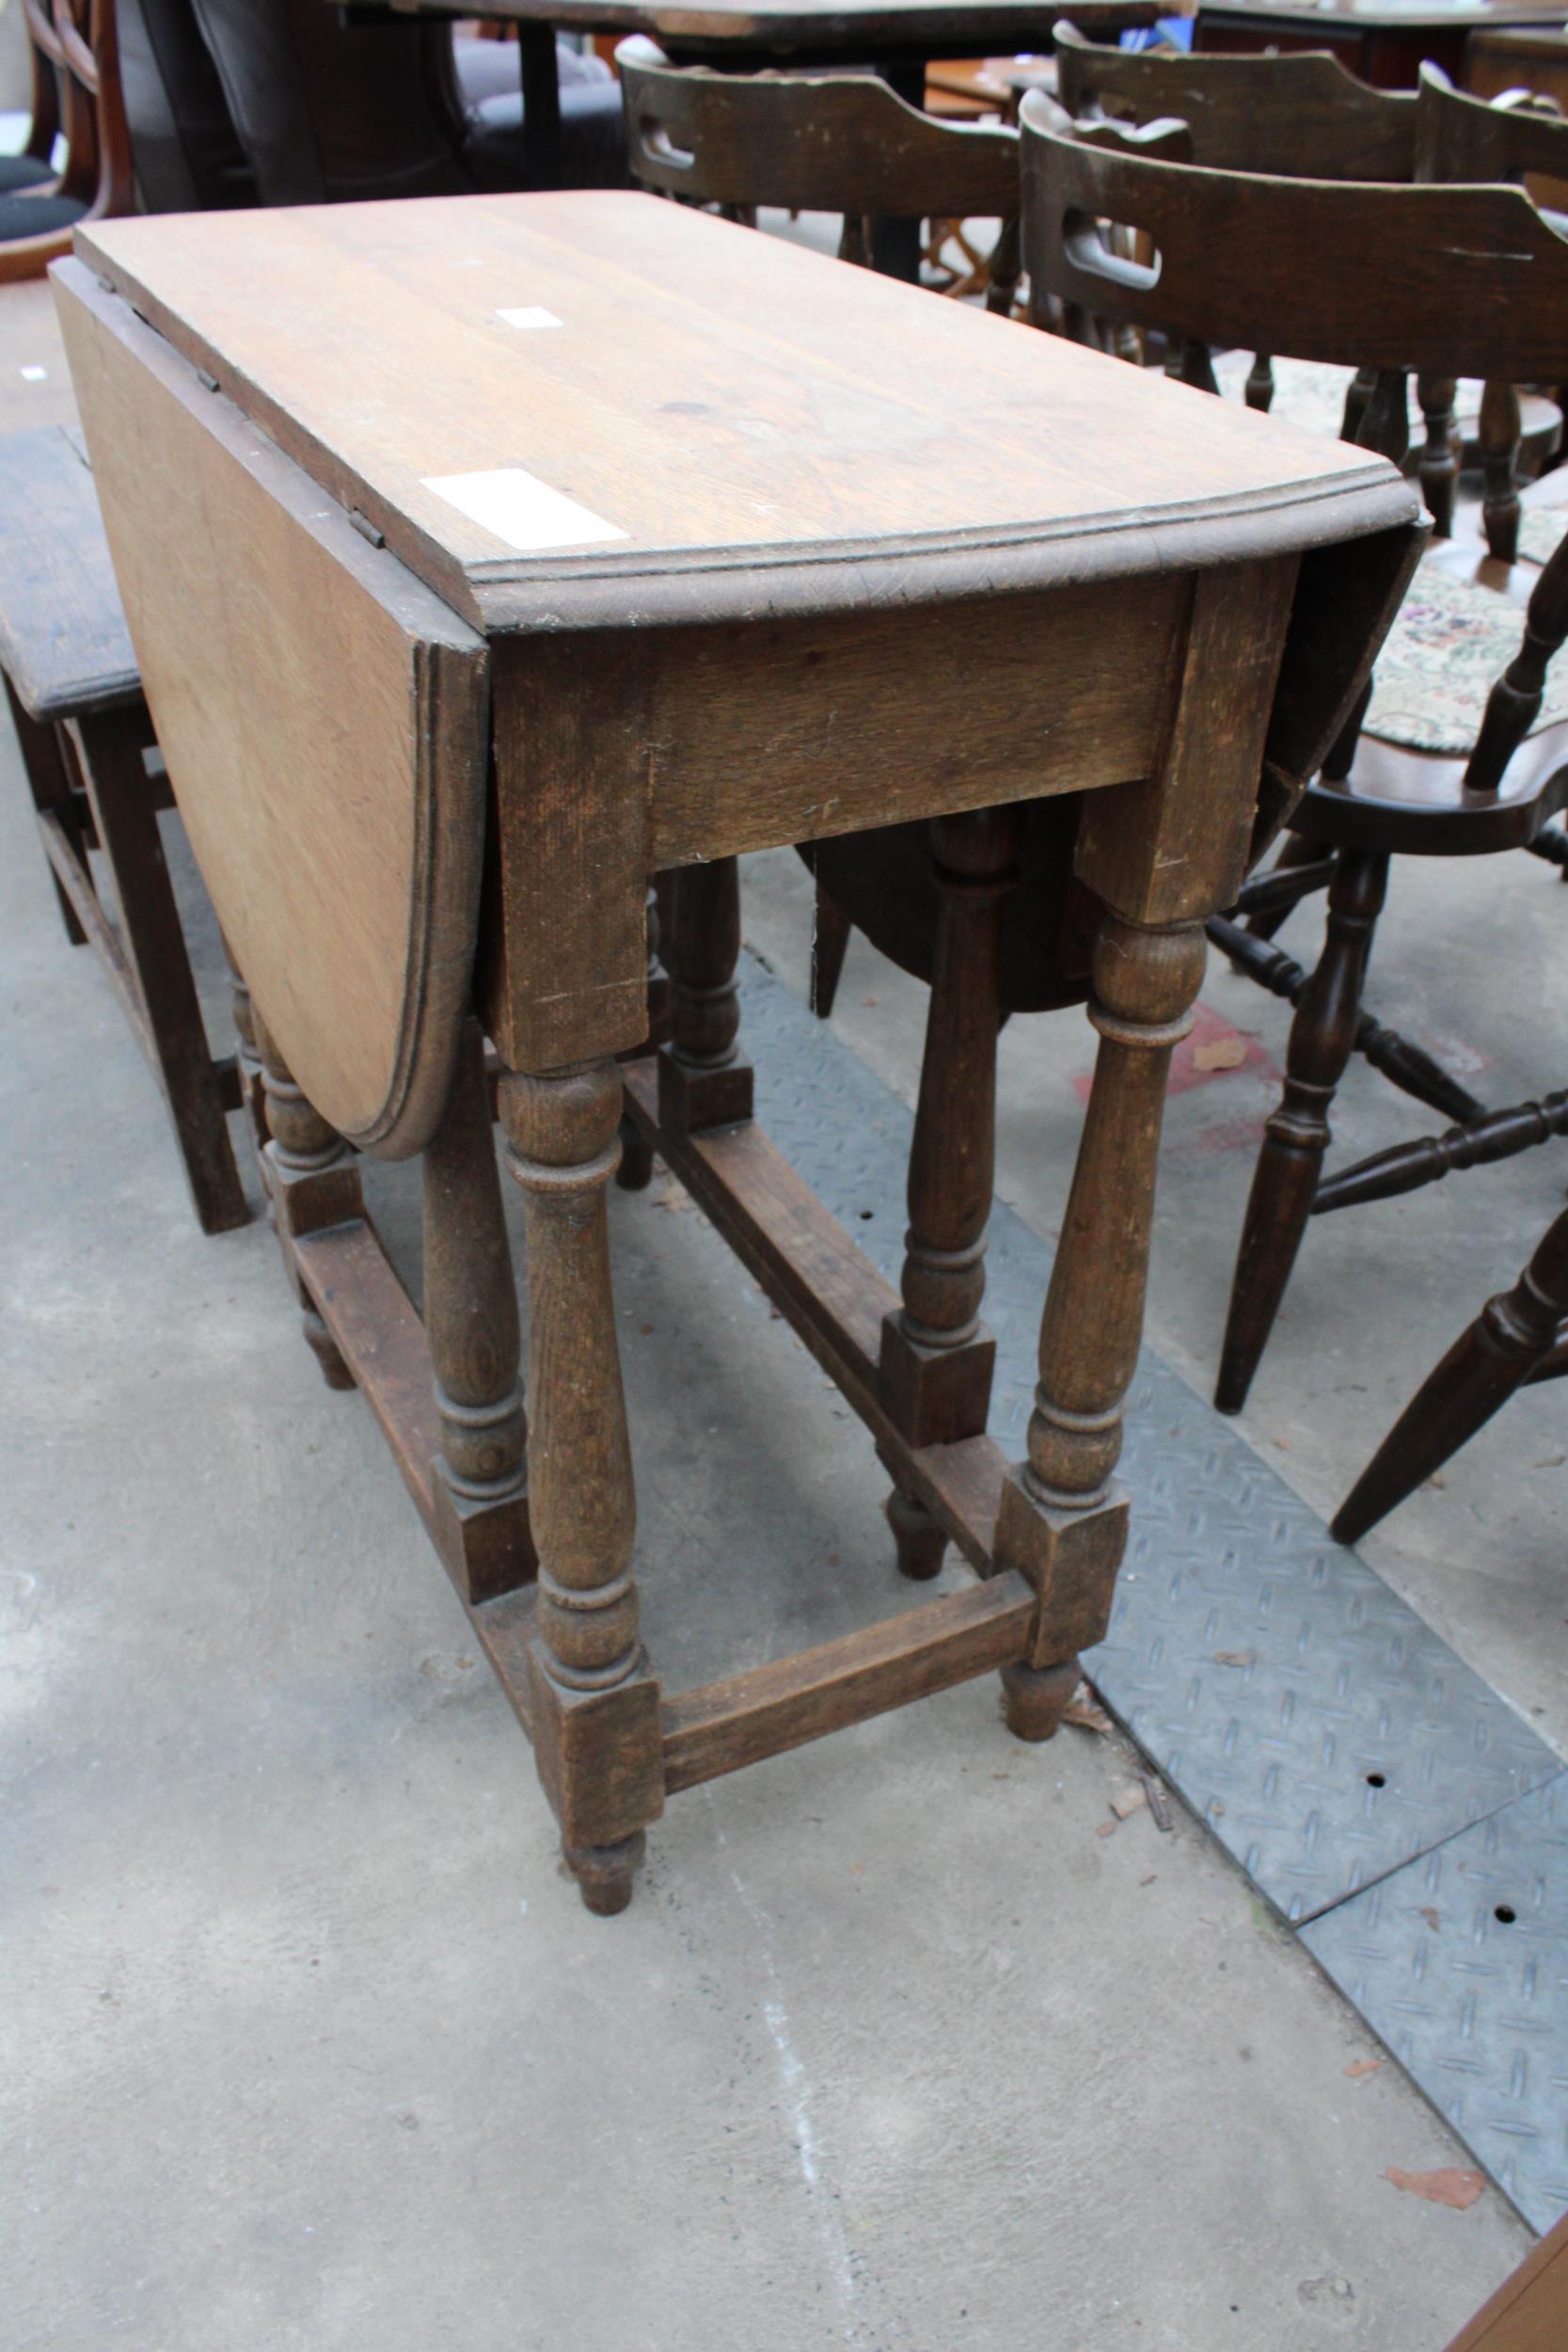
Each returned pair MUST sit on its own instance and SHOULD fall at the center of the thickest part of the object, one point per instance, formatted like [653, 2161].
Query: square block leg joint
[935, 1395]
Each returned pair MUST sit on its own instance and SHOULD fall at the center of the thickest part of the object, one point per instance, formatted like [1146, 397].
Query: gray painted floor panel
[1460, 1964]
[1331, 1742]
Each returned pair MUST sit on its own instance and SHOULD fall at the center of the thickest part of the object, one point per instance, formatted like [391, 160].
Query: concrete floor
[310, 2045]
[306, 2043]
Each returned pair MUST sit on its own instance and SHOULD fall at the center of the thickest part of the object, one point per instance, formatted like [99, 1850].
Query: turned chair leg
[1004, 268]
[1322, 1037]
[936, 1359]
[474, 1333]
[704, 1079]
[1439, 465]
[1499, 437]
[594, 1710]
[1509, 1340]
[1297, 849]
[317, 1182]
[830, 942]
[1062, 1521]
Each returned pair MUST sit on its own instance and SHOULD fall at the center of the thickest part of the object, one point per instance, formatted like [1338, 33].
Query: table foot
[605, 1874]
[921, 1540]
[323, 1347]
[636, 1171]
[1034, 1698]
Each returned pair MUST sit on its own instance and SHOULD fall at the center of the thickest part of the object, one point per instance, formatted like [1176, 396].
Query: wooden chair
[807, 142]
[75, 56]
[82, 725]
[1303, 116]
[1300, 114]
[1479, 282]
[1520, 1336]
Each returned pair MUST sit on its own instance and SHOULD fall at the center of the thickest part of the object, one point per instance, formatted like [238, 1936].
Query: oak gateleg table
[486, 559]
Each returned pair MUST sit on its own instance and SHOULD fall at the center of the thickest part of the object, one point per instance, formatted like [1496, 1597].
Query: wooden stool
[84, 730]
[444, 718]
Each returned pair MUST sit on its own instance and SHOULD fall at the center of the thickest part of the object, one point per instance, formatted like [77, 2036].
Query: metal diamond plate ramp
[1322, 1731]
[1460, 1964]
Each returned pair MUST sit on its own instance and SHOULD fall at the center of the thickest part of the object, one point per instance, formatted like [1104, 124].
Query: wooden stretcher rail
[831, 1295]
[732, 1724]
[835, 1299]
[378, 1333]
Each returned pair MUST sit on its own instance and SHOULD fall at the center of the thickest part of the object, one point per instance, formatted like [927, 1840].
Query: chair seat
[22, 171]
[1450, 642]
[64, 645]
[37, 215]
[593, 150]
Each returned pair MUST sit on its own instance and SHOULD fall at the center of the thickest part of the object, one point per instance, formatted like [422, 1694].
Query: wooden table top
[1391, 15]
[593, 408]
[862, 28]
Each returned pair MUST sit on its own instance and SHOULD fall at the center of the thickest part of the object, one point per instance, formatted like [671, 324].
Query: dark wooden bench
[98, 783]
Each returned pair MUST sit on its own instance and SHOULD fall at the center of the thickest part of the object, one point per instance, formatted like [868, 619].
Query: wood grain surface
[1530, 2311]
[769, 430]
[324, 719]
[1389, 15]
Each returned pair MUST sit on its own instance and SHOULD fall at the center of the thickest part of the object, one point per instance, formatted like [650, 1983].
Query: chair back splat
[1300, 115]
[832, 143]
[1482, 286]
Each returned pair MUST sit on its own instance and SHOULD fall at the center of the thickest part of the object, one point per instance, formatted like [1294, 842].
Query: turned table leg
[636, 1171]
[936, 1359]
[704, 1079]
[1062, 1522]
[315, 1181]
[249, 1054]
[473, 1329]
[596, 1706]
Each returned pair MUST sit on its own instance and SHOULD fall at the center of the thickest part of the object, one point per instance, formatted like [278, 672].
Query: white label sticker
[34, 376]
[527, 318]
[526, 513]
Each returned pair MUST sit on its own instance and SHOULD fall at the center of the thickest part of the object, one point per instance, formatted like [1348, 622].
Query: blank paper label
[523, 511]
[529, 318]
